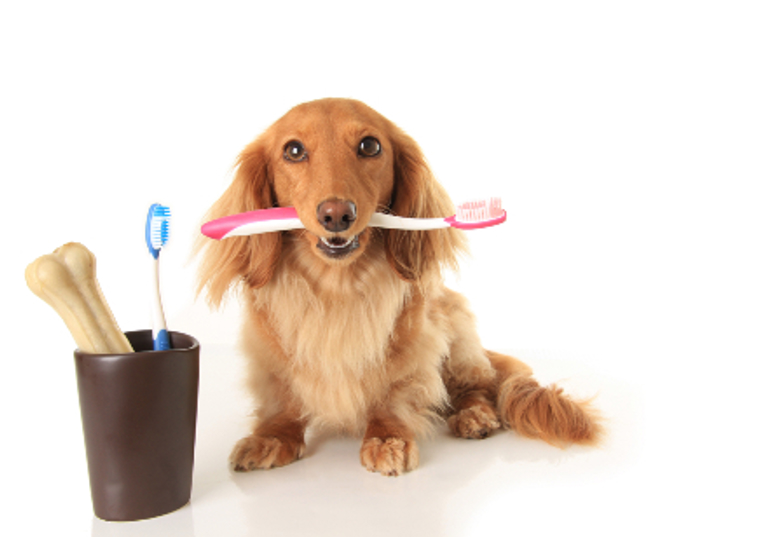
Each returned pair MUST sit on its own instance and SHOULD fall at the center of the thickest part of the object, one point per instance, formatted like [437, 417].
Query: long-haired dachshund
[349, 326]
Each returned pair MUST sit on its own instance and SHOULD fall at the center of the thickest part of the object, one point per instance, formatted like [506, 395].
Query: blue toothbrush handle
[161, 341]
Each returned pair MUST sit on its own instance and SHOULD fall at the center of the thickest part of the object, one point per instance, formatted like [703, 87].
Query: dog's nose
[336, 215]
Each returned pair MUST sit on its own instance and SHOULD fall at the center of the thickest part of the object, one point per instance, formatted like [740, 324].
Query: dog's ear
[417, 194]
[250, 259]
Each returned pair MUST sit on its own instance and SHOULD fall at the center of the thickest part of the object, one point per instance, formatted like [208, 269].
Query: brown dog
[349, 326]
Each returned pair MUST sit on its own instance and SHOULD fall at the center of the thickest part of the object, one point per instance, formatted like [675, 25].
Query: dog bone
[66, 280]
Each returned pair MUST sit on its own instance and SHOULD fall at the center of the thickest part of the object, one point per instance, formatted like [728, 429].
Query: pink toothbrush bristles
[477, 211]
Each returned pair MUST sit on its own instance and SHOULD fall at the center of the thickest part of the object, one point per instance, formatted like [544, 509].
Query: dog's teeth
[328, 243]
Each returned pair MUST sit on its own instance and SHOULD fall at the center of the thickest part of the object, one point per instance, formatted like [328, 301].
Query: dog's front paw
[474, 422]
[264, 452]
[389, 456]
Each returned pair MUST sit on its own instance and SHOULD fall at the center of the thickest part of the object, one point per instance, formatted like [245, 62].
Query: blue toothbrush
[156, 236]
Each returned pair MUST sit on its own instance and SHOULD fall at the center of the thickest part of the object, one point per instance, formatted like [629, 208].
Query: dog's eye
[294, 151]
[369, 147]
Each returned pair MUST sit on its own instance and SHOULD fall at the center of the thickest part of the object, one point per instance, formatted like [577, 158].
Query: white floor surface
[505, 485]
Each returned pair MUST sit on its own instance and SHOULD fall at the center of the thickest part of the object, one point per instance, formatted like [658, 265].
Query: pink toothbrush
[471, 215]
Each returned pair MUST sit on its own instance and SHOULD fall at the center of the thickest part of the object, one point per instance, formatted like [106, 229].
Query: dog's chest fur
[334, 329]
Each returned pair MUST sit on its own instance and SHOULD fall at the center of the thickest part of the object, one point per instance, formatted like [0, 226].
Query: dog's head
[337, 162]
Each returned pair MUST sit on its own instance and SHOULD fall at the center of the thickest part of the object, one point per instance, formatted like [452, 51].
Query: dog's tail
[541, 412]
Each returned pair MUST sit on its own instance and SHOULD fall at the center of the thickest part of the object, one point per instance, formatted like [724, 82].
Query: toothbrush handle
[388, 221]
[161, 342]
[160, 338]
[253, 222]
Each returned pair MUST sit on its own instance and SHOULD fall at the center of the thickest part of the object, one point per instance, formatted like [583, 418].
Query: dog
[350, 327]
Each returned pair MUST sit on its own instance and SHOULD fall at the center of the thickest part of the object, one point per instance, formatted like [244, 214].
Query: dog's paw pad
[475, 422]
[264, 452]
[389, 456]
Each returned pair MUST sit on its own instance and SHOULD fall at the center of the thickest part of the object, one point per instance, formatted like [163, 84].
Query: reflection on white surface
[178, 523]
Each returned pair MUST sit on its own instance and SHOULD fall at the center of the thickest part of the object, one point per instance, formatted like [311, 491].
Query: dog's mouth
[338, 247]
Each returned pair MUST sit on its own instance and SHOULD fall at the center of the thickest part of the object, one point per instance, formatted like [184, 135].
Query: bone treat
[66, 280]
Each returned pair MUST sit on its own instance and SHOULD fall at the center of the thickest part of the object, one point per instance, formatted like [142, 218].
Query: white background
[622, 138]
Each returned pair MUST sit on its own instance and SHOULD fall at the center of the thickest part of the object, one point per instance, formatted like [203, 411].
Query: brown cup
[139, 412]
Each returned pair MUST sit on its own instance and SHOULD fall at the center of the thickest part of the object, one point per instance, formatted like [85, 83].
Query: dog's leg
[389, 446]
[468, 374]
[472, 401]
[473, 415]
[277, 441]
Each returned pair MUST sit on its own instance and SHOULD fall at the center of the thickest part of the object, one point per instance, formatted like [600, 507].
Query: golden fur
[370, 342]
